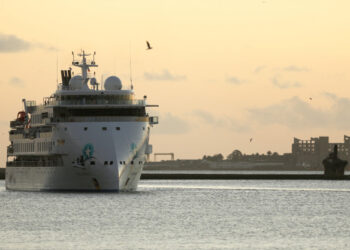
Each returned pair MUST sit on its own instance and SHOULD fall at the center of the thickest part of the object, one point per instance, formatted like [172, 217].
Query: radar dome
[76, 82]
[93, 81]
[113, 83]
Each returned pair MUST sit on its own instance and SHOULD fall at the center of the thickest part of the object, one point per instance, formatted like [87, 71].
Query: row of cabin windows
[92, 99]
[38, 118]
[134, 111]
[30, 146]
[132, 162]
[105, 128]
[111, 162]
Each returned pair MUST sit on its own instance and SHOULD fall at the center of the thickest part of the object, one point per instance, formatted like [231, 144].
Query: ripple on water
[186, 214]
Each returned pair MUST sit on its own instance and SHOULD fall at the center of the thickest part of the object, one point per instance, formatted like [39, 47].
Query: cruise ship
[81, 138]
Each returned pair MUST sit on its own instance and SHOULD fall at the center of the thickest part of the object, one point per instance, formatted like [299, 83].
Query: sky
[222, 72]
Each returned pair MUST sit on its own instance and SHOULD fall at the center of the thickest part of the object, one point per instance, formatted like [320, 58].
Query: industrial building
[310, 153]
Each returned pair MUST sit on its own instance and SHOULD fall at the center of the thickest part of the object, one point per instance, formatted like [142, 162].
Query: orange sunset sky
[222, 72]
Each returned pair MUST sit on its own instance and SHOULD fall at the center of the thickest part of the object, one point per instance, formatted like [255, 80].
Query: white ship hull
[96, 157]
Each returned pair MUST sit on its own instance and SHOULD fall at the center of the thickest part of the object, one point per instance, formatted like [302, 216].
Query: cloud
[296, 68]
[259, 69]
[16, 82]
[207, 117]
[284, 84]
[171, 124]
[297, 114]
[330, 95]
[226, 122]
[235, 80]
[11, 44]
[165, 75]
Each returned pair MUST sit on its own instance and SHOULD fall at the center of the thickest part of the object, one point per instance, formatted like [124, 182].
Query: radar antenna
[131, 85]
[85, 67]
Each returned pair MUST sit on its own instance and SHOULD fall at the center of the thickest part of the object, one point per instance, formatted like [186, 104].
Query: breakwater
[198, 175]
[230, 176]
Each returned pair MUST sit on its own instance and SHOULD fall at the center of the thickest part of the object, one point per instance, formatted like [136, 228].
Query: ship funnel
[66, 76]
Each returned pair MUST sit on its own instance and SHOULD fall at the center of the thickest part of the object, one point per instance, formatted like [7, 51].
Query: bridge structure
[172, 155]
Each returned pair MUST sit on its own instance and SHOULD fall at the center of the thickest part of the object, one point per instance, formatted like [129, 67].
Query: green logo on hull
[88, 151]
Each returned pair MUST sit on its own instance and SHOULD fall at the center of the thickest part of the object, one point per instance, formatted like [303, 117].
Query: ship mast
[85, 67]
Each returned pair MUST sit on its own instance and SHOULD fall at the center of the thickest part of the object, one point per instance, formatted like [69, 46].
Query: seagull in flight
[148, 45]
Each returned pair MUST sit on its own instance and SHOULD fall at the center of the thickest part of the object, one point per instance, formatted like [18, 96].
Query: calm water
[198, 214]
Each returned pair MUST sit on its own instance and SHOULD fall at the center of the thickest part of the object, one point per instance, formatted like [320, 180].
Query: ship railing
[96, 102]
[16, 123]
[96, 119]
[153, 120]
[30, 103]
[31, 106]
[10, 150]
[16, 136]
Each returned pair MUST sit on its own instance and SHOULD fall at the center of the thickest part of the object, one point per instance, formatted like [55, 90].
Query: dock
[230, 176]
[149, 175]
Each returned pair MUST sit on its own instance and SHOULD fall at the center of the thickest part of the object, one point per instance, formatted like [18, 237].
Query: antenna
[93, 58]
[57, 69]
[131, 85]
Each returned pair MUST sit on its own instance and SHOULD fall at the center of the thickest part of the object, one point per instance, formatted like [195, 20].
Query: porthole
[92, 163]
[104, 128]
[121, 162]
[85, 128]
[117, 128]
[106, 163]
[111, 162]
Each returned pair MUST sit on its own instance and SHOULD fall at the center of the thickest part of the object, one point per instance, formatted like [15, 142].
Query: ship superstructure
[81, 137]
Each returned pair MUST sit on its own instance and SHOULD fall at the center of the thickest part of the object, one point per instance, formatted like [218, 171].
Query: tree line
[237, 155]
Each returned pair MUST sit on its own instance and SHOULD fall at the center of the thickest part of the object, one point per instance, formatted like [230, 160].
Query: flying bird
[148, 45]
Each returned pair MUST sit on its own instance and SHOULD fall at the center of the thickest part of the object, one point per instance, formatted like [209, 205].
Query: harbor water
[182, 214]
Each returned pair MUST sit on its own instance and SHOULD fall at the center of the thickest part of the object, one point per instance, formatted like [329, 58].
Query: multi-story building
[310, 153]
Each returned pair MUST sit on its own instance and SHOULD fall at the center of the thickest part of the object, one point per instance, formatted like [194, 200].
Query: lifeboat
[21, 116]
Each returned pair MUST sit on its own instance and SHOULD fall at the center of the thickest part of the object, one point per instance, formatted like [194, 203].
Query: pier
[154, 175]
[238, 176]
